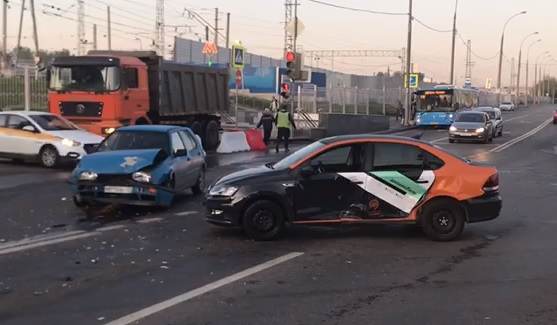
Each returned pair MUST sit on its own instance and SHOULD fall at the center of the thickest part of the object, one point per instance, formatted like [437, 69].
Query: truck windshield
[85, 78]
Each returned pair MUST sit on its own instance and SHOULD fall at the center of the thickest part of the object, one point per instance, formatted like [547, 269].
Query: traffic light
[293, 65]
[285, 90]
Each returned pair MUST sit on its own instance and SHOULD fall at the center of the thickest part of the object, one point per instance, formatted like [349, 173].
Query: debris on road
[100, 318]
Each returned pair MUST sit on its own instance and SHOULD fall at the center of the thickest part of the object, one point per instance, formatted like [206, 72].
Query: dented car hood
[121, 161]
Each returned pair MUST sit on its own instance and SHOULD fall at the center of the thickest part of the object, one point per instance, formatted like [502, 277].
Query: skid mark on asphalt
[143, 313]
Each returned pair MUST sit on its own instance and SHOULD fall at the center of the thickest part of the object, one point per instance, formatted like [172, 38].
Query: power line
[359, 9]
[432, 28]
[474, 53]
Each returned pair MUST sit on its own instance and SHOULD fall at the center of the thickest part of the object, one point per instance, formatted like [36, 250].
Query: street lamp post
[544, 74]
[526, 84]
[519, 64]
[537, 78]
[501, 51]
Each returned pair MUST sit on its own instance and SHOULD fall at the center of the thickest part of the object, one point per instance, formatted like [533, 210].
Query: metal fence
[27, 90]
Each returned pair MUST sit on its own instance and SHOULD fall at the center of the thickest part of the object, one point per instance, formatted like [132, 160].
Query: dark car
[140, 165]
[358, 179]
[471, 126]
[496, 119]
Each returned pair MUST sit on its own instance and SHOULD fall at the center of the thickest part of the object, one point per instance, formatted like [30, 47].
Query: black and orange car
[358, 179]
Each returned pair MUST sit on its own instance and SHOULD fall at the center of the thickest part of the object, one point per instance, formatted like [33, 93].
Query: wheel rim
[444, 221]
[263, 220]
[48, 157]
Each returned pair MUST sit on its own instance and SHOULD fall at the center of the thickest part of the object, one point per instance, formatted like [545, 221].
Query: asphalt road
[170, 267]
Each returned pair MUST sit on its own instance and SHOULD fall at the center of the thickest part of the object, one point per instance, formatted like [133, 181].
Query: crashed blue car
[140, 165]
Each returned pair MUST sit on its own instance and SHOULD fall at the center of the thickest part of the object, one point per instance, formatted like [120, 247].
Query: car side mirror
[307, 171]
[29, 128]
[180, 153]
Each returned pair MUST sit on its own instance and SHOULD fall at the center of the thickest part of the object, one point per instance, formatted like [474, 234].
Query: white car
[506, 106]
[43, 136]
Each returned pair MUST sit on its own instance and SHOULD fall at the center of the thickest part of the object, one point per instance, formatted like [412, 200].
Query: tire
[442, 220]
[263, 220]
[501, 132]
[49, 157]
[199, 187]
[486, 138]
[197, 127]
[211, 135]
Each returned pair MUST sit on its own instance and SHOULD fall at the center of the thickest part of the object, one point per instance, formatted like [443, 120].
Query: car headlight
[451, 116]
[452, 128]
[480, 130]
[141, 177]
[223, 190]
[70, 143]
[88, 176]
[108, 131]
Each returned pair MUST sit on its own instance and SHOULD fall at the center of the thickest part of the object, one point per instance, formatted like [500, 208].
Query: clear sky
[258, 24]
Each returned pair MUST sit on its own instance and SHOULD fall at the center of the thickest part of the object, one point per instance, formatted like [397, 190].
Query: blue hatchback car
[140, 165]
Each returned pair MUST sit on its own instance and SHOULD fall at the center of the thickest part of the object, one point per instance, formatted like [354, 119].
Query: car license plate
[465, 134]
[118, 189]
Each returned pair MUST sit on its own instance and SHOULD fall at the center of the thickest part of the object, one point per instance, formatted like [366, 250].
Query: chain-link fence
[25, 90]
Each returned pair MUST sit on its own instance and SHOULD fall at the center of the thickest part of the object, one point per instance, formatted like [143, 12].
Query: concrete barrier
[233, 142]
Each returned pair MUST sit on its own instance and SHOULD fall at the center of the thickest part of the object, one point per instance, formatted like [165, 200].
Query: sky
[258, 24]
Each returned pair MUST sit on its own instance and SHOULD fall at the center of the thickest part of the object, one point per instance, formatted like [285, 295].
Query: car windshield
[85, 78]
[53, 123]
[473, 118]
[298, 155]
[134, 140]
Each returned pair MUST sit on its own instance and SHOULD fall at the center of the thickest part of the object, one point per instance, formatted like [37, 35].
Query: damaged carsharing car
[146, 165]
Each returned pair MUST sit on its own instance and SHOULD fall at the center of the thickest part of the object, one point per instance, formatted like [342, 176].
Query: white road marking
[134, 317]
[150, 220]
[185, 213]
[514, 118]
[526, 135]
[439, 140]
[47, 240]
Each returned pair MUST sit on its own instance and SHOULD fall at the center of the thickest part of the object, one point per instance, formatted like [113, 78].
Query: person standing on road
[284, 121]
[266, 120]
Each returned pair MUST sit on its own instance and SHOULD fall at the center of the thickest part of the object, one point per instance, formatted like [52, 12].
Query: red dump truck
[104, 90]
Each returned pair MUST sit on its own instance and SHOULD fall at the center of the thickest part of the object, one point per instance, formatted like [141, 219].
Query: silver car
[471, 126]
[506, 106]
[496, 119]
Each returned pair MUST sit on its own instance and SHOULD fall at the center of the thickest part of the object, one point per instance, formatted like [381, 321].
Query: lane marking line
[39, 238]
[439, 140]
[148, 311]
[47, 243]
[514, 118]
[150, 220]
[526, 135]
[185, 213]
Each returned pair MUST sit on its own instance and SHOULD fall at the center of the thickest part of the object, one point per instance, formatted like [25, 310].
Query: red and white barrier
[237, 141]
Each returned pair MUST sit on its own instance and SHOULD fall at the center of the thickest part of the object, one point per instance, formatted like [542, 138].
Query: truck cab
[99, 93]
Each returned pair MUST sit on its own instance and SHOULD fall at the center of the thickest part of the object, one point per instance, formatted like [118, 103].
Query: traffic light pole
[408, 68]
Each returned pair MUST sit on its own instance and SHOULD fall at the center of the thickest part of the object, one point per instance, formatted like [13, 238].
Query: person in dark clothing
[284, 122]
[266, 121]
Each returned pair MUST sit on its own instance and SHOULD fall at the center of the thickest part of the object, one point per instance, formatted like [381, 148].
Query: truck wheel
[196, 128]
[442, 220]
[49, 156]
[263, 220]
[212, 135]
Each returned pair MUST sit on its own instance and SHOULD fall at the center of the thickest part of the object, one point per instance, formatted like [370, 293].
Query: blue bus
[437, 106]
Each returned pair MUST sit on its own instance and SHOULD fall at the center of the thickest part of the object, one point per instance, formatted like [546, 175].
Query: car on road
[471, 126]
[496, 119]
[506, 106]
[140, 165]
[44, 137]
[358, 179]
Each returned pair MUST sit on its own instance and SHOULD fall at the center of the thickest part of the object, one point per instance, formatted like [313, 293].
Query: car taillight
[492, 184]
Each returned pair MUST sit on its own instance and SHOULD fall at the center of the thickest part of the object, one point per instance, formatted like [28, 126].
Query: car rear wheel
[442, 220]
[199, 187]
[263, 220]
[49, 157]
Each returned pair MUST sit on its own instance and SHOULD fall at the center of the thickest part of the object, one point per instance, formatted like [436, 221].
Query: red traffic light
[285, 87]
[290, 56]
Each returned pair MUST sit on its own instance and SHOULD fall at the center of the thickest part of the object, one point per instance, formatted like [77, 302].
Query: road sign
[238, 78]
[238, 56]
[210, 48]
[412, 81]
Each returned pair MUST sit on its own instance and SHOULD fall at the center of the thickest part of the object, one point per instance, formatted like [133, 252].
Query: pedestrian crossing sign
[238, 56]
[411, 80]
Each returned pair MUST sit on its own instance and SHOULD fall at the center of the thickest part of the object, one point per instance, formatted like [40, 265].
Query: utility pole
[468, 74]
[227, 29]
[4, 34]
[206, 33]
[35, 34]
[454, 40]
[80, 26]
[217, 27]
[408, 65]
[511, 82]
[159, 28]
[109, 24]
[95, 37]
[19, 32]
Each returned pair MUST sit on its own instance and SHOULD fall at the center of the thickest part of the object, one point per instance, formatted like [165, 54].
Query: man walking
[266, 121]
[284, 121]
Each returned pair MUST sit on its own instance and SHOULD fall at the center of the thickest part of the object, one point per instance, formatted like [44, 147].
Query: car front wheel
[263, 220]
[49, 157]
[442, 220]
